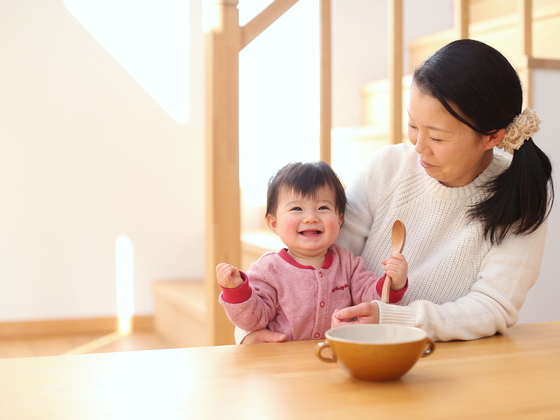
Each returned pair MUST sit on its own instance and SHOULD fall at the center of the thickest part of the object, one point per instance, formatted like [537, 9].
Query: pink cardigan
[297, 300]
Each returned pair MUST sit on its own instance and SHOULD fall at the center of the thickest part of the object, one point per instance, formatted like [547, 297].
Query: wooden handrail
[264, 19]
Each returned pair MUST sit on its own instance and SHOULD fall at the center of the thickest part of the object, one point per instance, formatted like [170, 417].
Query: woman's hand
[264, 336]
[363, 313]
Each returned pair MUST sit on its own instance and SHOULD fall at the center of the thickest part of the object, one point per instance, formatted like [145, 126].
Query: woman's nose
[419, 143]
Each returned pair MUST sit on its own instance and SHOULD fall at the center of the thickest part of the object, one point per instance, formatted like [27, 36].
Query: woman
[475, 219]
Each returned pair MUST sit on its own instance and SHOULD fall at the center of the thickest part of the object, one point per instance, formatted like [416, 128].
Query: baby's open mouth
[310, 232]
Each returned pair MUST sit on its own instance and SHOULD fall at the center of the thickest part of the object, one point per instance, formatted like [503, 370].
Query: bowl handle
[430, 347]
[319, 352]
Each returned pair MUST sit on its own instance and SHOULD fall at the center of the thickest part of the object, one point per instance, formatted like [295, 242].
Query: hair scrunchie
[522, 128]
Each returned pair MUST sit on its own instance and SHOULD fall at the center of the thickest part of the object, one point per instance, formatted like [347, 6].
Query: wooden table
[511, 376]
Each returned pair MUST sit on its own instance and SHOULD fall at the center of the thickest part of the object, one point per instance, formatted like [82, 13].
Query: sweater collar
[283, 253]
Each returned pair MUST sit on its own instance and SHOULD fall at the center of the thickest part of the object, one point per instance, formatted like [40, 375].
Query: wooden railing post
[526, 30]
[461, 18]
[325, 88]
[223, 215]
[395, 70]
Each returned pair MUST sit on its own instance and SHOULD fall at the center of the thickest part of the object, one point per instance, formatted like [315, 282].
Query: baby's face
[308, 226]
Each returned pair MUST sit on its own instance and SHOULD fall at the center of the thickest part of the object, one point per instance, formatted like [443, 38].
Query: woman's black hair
[305, 179]
[478, 81]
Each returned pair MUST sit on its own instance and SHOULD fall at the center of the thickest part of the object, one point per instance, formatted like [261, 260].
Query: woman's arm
[492, 305]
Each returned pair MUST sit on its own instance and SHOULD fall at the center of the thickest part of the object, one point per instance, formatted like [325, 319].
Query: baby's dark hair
[305, 179]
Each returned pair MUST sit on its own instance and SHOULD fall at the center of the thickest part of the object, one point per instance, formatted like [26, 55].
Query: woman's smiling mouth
[425, 164]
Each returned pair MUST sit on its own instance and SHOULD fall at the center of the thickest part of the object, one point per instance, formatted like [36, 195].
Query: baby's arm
[396, 267]
[228, 276]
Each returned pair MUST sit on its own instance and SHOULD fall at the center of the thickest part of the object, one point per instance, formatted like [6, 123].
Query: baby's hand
[228, 276]
[396, 267]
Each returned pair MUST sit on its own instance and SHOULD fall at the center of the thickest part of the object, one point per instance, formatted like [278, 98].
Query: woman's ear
[271, 222]
[493, 139]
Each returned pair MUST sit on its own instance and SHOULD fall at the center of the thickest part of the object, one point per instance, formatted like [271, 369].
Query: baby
[296, 290]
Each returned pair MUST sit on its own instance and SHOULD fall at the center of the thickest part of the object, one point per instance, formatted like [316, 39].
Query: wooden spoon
[398, 236]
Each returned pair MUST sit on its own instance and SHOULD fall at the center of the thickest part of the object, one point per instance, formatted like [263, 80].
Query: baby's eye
[296, 209]
[324, 208]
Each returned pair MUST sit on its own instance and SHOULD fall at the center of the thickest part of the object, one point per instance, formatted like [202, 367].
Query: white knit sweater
[460, 287]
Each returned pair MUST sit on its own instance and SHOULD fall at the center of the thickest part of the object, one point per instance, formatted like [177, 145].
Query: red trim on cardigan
[394, 297]
[238, 294]
[283, 253]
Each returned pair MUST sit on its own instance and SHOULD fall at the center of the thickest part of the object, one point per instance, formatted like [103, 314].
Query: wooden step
[180, 305]
[375, 97]
[502, 32]
[256, 242]
[180, 312]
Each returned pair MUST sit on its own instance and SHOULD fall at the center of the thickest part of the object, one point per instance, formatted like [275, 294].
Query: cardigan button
[317, 335]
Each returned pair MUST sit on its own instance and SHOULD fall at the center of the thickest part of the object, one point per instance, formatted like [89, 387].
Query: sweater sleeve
[507, 273]
[259, 308]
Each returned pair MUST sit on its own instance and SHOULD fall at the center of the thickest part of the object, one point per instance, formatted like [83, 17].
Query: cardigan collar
[283, 253]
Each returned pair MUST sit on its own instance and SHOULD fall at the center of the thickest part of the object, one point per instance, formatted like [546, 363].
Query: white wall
[86, 155]
[542, 300]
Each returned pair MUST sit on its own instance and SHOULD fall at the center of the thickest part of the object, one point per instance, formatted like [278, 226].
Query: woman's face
[449, 150]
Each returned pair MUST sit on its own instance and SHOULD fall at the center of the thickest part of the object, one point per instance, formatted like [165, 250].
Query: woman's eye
[436, 140]
[411, 126]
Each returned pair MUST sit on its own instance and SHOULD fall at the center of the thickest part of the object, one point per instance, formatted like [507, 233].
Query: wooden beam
[326, 83]
[395, 70]
[544, 63]
[223, 208]
[461, 18]
[263, 20]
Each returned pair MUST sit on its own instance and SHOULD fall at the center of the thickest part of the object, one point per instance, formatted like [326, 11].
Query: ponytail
[520, 198]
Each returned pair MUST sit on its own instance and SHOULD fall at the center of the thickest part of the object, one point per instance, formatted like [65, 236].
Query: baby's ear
[341, 219]
[271, 222]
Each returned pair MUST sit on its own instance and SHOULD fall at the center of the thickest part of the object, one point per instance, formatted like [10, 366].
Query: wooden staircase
[180, 312]
[180, 306]
[180, 309]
